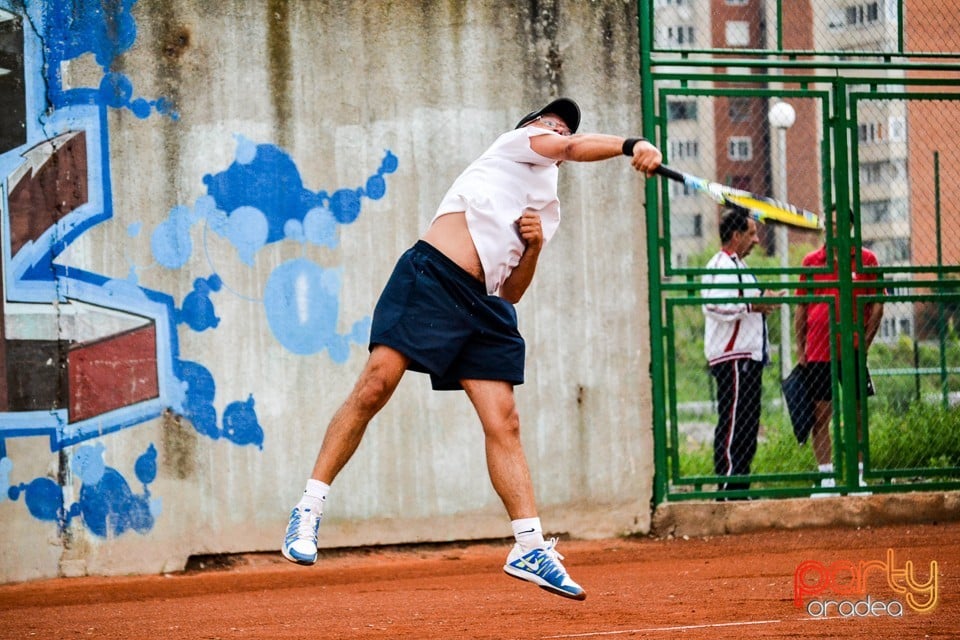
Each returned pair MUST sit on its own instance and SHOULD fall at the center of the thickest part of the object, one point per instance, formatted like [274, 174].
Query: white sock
[314, 496]
[528, 533]
[826, 468]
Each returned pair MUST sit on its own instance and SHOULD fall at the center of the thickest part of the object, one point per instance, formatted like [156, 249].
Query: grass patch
[927, 436]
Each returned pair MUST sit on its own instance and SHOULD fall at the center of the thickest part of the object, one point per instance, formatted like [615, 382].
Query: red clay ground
[719, 587]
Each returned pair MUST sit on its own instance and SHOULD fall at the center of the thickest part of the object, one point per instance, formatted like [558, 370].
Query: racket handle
[667, 172]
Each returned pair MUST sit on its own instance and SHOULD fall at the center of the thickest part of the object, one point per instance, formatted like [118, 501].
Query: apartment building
[907, 173]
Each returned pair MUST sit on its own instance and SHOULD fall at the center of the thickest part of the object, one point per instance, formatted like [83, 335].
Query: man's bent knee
[372, 391]
[506, 427]
[379, 379]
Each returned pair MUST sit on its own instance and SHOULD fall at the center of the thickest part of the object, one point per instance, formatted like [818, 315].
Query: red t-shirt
[818, 313]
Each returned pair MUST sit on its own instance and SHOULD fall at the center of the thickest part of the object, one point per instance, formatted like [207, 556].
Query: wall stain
[180, 439]
[280, 60]
[539, 28]
[172, 40]
[584, 433]
[176, 43]
[608, 33]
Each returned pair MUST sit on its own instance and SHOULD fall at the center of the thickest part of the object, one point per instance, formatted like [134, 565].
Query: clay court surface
[738, 586]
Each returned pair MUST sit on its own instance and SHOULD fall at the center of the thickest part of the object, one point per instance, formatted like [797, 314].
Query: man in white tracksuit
[736, 347]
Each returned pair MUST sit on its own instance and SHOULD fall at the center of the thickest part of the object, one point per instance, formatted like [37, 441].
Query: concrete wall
[240, 177]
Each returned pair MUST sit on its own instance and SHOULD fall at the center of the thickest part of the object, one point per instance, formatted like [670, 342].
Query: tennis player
[448, 311]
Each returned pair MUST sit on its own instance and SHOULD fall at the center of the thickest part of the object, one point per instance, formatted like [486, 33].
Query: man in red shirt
[812, 328]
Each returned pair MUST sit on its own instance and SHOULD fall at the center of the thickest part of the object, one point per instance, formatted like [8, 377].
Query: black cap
[563, 107]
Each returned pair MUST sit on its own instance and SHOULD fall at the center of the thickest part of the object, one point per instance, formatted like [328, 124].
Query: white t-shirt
[495, 190]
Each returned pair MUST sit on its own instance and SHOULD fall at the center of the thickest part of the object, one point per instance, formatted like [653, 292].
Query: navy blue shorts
[819, 383]
[441, 317]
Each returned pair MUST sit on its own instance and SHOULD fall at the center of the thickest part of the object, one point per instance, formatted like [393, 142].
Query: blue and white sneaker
[300, 543]
[542, 567]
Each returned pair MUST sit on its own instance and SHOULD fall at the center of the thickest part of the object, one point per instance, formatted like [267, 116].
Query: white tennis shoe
[300, 543]
[543, 568]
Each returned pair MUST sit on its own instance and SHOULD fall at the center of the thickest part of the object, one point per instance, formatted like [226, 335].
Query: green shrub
[926, 435]
[923, 436]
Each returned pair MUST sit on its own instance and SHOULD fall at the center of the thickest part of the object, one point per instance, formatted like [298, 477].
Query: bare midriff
[449, 234]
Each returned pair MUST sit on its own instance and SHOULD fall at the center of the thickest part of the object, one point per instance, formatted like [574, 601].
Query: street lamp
[781, 117]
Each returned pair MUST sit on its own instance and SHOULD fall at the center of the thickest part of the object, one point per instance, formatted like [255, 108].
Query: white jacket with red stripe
[733, 330]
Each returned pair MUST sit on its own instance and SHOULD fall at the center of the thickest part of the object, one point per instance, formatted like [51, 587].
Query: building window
[869, 132]
[899, 250]
[737, 33]
[680, 36]
[680, 190]
[890, 250]
[859, 15]
[836, 20]
[905, 326]
[883, 172]
[871, 172]
[898, 128]
[686, 225]
[737, 3]
[874, 212]
[682, 110]
[879, 211]
[888, 328]
[740, 109]
[684, 149]
[852, 13]
[740, 148]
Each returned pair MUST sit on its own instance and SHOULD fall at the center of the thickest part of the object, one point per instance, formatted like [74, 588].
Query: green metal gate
[873, 89]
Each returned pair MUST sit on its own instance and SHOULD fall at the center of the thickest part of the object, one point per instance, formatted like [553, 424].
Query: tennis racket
[762, 209]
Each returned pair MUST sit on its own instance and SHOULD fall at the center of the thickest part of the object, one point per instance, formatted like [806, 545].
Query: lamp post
[781, 117]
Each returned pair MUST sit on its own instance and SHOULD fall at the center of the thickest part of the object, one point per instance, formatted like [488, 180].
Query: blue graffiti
[145, 467]
[260, 199]
[75, 120]
[318, 227]
[171, 242]
[104, 29]
[257, 200]
[301, 301]
[200, 392]
[240, 424]
[198, 311]
[88, 464]
[110, 508]
[71, 123]
[43, 496]
[270, 183]
[107, 504]
[6, 466]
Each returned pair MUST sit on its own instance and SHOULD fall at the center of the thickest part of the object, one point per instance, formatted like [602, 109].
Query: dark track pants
[738, 405]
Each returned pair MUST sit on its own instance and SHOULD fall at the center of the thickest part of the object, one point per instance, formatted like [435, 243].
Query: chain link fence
[848, 109]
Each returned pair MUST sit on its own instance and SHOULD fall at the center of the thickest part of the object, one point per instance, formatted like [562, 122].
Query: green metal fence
[848, 104]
